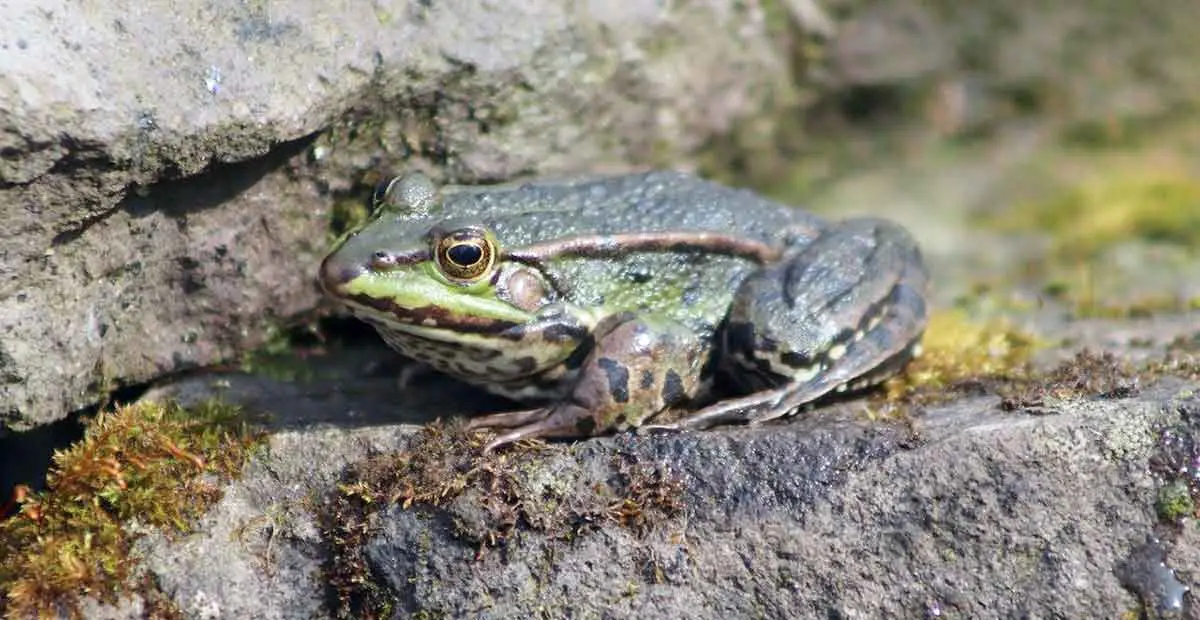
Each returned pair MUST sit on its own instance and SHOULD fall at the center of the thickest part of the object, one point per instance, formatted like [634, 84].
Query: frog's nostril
[382, 259]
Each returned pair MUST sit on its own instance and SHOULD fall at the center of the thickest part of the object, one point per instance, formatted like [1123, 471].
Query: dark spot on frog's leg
[560, 333]
[795, 360]
[575, 360]
[526, 364]
[740, 336]
[672, 392]
[647, 379]
[585, 426]
[618, 378]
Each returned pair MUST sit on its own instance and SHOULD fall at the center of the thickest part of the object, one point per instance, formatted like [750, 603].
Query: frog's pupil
[465, 254]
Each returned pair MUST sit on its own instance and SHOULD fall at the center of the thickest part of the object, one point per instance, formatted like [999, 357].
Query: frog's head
[417, 270]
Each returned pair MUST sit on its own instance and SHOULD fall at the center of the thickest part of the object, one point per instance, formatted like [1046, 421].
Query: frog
[649, 301]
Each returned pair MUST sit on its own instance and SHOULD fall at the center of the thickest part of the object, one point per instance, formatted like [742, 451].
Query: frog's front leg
[636, 369]
[841, 313]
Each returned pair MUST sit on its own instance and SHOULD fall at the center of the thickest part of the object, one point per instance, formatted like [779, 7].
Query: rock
[168, 173]
[828, 515]
[801, 522]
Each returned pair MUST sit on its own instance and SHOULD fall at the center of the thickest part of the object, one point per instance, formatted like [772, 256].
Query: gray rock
[167, 173]
[965, 510]
[989, 515]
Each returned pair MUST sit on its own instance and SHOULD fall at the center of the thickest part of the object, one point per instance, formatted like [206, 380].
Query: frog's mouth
[399, 299]
[424, 318]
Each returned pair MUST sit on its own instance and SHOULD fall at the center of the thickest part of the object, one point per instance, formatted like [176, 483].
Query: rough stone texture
[969, 511]
[820, 521]
[167, 169]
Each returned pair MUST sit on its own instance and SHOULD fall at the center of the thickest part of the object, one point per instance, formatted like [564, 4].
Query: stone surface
[167, 169]
[828, 515]
[834, 522]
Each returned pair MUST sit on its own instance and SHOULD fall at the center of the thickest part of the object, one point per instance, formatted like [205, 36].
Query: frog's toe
[505, 439]
[508, 419]
[541, 429]
[560, 421]
[660, 429]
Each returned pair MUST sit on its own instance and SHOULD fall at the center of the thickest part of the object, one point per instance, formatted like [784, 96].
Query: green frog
[652, 300]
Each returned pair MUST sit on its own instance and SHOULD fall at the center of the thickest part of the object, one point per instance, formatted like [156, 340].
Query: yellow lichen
[956, 349]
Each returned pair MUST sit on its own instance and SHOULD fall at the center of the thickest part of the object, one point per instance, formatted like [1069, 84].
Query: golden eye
[465, 254]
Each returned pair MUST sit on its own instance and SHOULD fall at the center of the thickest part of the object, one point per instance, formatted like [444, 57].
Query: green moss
[284, 354]
[1182, 360]
[1088, 305]
[1160, 207]
[348, 213]
[1130, 132]
[778, 19]
[1086, 375]
[1175, 502]
[1119, 232]
[158, 464]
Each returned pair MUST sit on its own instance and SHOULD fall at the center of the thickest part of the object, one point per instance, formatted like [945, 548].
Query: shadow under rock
[352, 387]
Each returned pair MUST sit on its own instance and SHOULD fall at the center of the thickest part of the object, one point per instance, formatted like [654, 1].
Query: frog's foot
[789, 399]
[564, 420]
[508, 419]
[660, 428]
[731, 411]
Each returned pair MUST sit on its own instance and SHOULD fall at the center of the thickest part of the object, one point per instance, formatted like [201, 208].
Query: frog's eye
[465, 254]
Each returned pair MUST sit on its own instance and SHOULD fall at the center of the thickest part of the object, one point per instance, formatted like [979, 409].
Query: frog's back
[646, 202]
[692, 288]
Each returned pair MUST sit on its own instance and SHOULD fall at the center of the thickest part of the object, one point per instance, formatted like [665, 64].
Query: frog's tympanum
[648, 300]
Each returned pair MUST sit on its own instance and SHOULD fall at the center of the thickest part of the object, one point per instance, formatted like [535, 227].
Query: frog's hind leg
[841, 313]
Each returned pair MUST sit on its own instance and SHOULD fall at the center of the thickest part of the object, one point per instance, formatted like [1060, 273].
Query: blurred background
[1045, 154]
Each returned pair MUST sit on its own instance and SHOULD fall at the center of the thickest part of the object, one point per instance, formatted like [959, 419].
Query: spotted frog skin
[655, 300]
